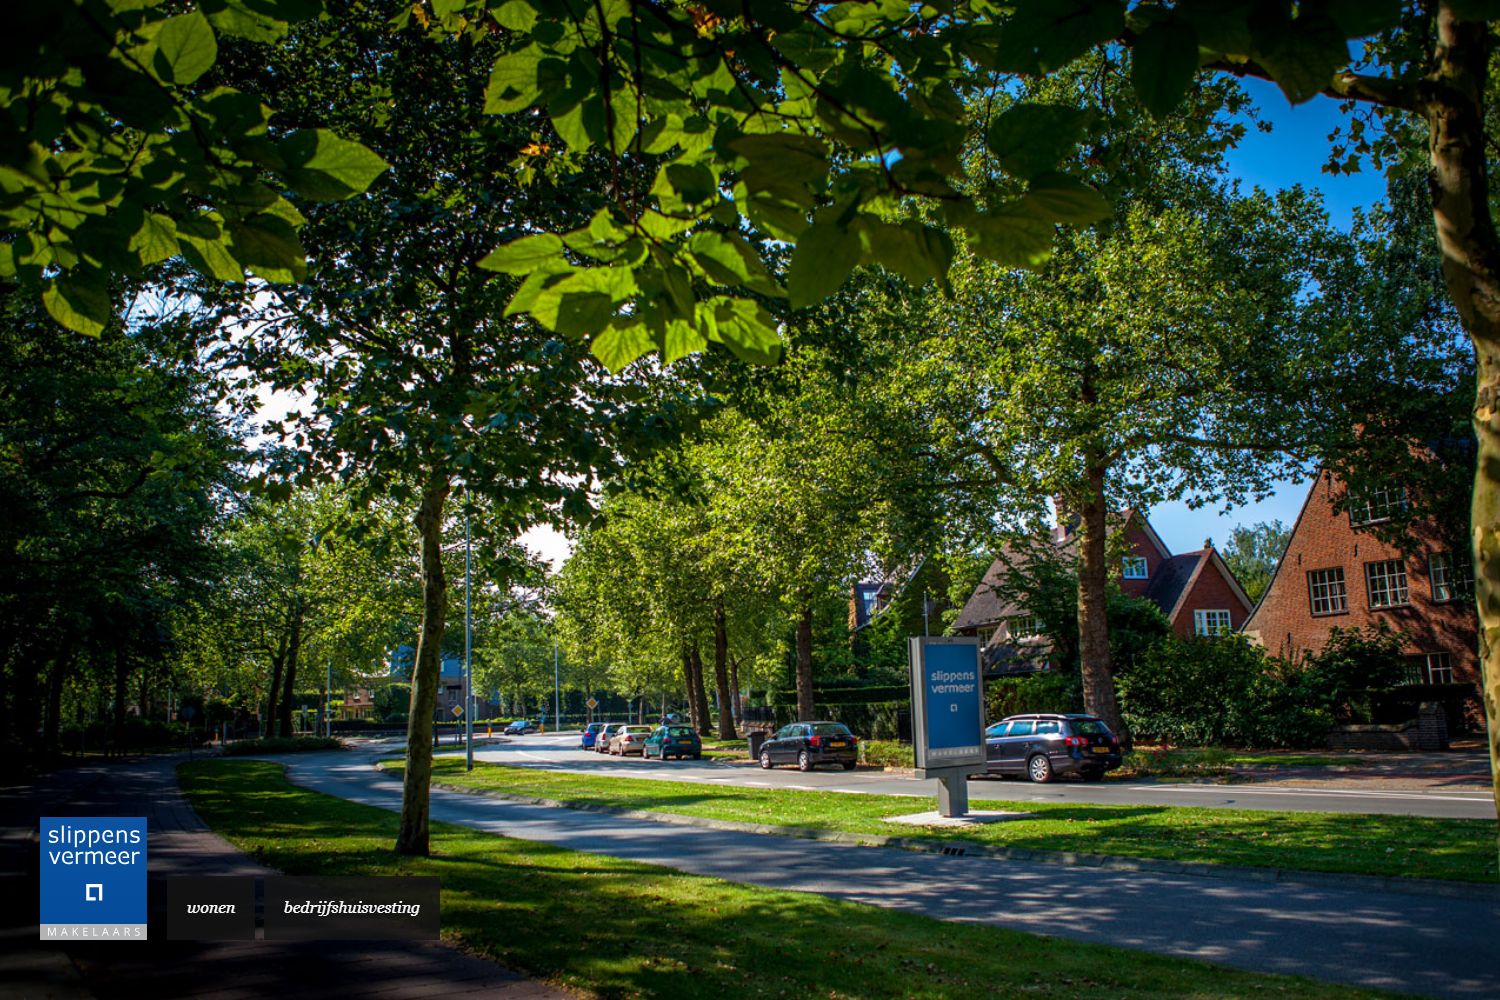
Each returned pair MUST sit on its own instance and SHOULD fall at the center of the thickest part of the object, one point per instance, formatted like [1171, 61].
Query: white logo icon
[93, 892]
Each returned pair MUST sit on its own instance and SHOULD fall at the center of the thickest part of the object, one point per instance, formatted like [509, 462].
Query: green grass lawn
[1406, 846]
[623, 929]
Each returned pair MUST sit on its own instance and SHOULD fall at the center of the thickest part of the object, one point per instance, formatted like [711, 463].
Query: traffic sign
[591, 703]
[458, 711]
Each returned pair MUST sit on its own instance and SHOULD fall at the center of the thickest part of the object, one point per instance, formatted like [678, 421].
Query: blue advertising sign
[93, 878]
[947, 702]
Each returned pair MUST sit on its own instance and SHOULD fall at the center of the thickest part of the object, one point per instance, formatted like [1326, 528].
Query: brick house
[1336, 573]
[1195, 590]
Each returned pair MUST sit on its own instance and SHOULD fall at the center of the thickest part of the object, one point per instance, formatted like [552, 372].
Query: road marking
[1242, 790]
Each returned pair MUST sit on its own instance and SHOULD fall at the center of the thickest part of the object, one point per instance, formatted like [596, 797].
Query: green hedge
[281, 744]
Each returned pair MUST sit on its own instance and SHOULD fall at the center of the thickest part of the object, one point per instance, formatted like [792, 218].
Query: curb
[1293, 878]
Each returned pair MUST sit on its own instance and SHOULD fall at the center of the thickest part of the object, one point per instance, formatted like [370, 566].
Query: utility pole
[468, 650]
[556, 692]
[328, 693]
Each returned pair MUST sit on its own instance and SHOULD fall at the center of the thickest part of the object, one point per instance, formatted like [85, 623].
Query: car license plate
[838, 743]
[1101, 749]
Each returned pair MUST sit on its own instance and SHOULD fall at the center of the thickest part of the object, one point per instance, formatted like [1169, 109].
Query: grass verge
[1400, 846]
[623, 929]
[282, 744]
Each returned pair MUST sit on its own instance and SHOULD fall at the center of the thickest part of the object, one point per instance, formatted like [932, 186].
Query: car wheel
[697, 756]
[765, 760]
[848, 765]
[1039, 769]
[804, 762]
[1093, 775]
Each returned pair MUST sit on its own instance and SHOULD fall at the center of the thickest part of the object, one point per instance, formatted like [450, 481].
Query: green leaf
[1358, 18]
[1045, 35]
[1163, 64]
[692, 181]
[185, 48]
[210, 255]
[513, 82]
[524, 255]
[1010, 236]
[617, 347]
[79, 301]
[257, 20]
[573, 314]
[1060, 198]
[1030, 139]
[825, 255]
[324, 167]
[155, 240]
[1301, 55]
[515, 15]
[918, 253]
[268, 246]
[742, 326]
[680, 340]
[727, 259]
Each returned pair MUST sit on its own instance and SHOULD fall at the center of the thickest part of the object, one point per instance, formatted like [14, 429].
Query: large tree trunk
[805, 708]
[699, 694]
[278, 663]
[721, 671]
[289, 675]
[734, 687]
[1471, 267]
[695, 710]
[426, 673]
[1093, 620]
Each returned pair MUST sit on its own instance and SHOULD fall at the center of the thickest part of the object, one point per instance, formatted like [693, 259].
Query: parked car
[520, 727]
[628, 740]
[1043, 746]
[601, 742]
[590, 734]
[808, 744]
[673, 741]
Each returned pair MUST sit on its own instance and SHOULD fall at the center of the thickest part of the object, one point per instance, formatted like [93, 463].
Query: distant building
[451, 683]
[1336, 573]
[1195, 590]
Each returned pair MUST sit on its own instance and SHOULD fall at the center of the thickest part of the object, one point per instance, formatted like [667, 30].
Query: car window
[681, 731]
[1047, 728]
[638, 729]
[1088, 727]
[997, 730]
[831, 729]
[1021, 728]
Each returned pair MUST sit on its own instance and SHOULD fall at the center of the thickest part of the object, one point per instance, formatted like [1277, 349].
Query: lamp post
[556, 692]
[468, 652]
[328, 693]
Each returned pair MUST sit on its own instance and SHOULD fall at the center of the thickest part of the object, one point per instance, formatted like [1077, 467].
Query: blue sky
[1293, 152]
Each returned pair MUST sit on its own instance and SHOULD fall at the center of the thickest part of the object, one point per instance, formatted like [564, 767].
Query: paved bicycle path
[180, 844]
[1433, 946]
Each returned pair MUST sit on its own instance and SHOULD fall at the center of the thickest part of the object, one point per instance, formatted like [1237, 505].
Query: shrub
[1193, 691]
[282, 744]
[1050, 691]
[886, 753]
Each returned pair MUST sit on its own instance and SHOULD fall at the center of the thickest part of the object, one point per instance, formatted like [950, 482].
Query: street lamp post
[468, 652]
[328, 693]
[556, 692]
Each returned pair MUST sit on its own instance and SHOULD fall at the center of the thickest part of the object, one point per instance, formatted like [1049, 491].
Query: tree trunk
[289, 675]
[694, 709]
[805, 708]
[1093, 620]
[700, 696]
[721, 671]
[1460, 189]
[61, 667]
[278, 663]
[426, 674]
[734, 688]
[122, 673]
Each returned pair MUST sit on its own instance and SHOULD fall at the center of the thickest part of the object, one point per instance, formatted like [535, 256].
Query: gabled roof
[1170, 581]
[985, 606]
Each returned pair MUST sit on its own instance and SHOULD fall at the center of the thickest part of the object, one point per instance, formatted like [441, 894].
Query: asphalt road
[559, 752]
[1436, 946]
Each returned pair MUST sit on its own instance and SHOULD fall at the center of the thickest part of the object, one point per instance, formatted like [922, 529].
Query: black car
[1044, 746]
[808, 744]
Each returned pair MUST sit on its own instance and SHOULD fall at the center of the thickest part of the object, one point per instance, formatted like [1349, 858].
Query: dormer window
[1134, 568]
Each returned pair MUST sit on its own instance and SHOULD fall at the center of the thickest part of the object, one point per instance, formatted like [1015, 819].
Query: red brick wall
[1139, 544]
[1210, 591]
[1285, 624]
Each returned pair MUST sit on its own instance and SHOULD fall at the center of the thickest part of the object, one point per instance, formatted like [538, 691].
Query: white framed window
[1378, 504]
[1451, 578]
[1211, 621]
[1386, 583]
[985, 634]
[1024, 626]
[1134, 568]
[1439, 668]
[1326, 592]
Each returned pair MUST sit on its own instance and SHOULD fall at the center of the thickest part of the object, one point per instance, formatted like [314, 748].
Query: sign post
[947, 702]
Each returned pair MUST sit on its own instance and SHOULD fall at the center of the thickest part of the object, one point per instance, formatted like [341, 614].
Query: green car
[673, 741]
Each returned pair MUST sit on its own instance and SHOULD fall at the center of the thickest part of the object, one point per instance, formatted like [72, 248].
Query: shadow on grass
[621, 928]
